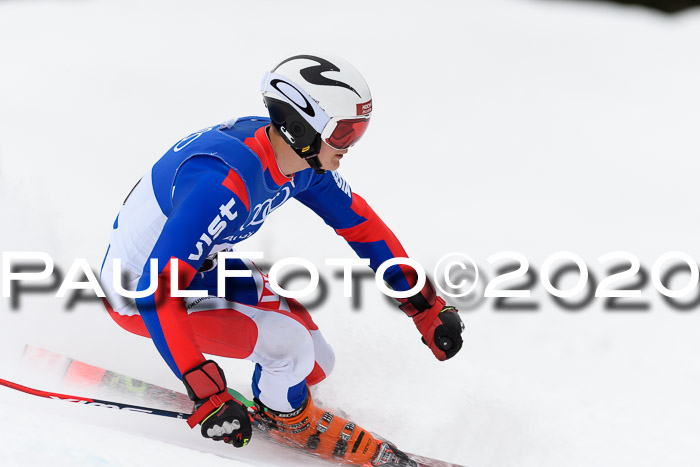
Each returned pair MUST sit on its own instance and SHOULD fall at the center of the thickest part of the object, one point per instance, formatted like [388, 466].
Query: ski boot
[328, 436]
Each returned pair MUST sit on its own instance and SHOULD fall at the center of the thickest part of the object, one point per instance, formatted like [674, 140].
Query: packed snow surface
[499, 125]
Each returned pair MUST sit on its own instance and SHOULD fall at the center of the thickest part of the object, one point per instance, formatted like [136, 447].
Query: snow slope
[533, 126]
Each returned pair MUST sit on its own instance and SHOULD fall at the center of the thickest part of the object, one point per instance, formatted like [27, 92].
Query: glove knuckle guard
[230, 424]
[222, 418]
[448, 335]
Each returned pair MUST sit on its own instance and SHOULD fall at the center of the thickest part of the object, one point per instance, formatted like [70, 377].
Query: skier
[215, 188]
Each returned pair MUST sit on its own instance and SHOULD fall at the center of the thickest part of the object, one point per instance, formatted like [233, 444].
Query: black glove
[447, 336]
[440, 325]
[222, 417]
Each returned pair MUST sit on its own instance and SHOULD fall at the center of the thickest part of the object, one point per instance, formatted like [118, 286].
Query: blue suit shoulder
[244, 127]
[221, 143]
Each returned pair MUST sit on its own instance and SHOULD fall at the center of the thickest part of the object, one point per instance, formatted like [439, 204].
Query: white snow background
[525, 125]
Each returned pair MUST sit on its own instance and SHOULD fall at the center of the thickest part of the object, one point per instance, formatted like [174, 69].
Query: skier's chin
[333, 164]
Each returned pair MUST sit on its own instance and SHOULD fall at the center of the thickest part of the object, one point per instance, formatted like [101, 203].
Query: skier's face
[329, 157]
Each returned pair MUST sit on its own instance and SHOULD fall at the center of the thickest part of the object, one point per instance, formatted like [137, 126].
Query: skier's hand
[441, 328]
[440, 325]
[221, 416]
[229, 423]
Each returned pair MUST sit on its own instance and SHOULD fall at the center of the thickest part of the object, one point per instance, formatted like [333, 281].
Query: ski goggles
[342, 132]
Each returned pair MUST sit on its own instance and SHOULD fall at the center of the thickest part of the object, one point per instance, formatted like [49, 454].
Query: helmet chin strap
[315, 164]
[308, 153]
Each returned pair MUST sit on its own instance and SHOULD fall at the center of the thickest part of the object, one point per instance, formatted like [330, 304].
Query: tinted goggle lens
[347, 132]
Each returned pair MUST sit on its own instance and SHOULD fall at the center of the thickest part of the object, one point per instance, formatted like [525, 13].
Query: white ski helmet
[313, 99]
